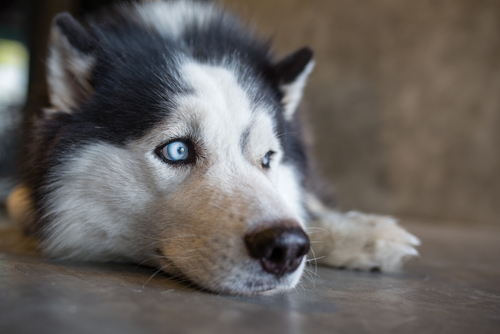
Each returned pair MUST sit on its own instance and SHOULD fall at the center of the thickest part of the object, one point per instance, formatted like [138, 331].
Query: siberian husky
[173, 140]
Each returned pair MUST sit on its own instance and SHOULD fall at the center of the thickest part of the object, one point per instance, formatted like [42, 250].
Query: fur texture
[143, 76]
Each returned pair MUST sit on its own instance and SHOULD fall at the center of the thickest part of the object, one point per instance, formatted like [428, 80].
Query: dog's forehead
[217, 99]
[219, 110]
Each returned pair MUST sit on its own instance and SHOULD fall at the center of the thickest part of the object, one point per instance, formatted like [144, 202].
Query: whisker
[185, 236]
[311, 272]
[140, 264]
[316, 258]
[149, 279]
[287, 133]
[315, 262]
[314, 229]
[307, 275]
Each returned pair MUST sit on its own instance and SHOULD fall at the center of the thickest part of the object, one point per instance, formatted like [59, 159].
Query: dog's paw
[361, 241]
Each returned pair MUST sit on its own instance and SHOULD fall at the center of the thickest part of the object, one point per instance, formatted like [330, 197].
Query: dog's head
[177, 148]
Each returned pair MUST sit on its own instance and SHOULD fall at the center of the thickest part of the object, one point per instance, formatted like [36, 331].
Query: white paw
[361, 241]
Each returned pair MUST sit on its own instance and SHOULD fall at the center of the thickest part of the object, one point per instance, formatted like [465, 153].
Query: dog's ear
[70, 62]
[292, 74]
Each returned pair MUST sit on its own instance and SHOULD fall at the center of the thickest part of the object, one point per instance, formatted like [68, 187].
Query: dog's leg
[358, 241]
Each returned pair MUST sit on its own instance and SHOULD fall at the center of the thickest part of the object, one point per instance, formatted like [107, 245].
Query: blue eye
[176, 151]
[267, 159]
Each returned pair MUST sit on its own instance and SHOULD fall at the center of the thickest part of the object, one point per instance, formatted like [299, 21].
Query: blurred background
[404, 102]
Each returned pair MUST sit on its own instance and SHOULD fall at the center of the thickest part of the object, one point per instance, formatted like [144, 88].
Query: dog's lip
[264, 289]
[268, 289]
[267, 285]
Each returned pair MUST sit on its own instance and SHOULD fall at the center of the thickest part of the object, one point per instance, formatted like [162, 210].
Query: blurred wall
[404, 100]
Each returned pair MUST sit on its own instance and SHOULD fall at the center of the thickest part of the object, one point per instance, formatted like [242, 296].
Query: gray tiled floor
[453, 288]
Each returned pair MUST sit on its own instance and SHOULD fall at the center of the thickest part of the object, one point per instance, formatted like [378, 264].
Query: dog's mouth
[267, 260]
[260, 286]
[266, 287]
[254, 281]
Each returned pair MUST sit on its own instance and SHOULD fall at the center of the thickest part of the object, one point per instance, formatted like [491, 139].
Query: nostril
[277, 254]
[280, 248]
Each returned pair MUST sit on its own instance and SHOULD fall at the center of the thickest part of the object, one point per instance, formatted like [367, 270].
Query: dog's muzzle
[279, 248]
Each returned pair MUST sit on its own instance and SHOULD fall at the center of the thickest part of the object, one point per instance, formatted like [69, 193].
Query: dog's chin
[262, 284]
[254, 288]
[255, 284]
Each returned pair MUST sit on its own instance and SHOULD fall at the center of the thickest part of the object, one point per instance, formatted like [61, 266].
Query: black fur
[292, 66]
[77, 36]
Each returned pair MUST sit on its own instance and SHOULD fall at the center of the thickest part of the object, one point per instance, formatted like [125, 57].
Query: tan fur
[19, 207]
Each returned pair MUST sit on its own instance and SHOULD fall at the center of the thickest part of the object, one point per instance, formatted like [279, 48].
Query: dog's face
[175, 162]
[229, 181]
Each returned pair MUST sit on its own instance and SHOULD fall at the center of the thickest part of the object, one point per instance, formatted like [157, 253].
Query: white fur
[358, 241]
[291, 191]
[98, 206]
[170, 18]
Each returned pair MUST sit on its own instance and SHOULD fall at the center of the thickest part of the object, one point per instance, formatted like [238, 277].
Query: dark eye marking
[177, 151]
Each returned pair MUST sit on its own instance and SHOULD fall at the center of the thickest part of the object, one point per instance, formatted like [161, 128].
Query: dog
[173, 140]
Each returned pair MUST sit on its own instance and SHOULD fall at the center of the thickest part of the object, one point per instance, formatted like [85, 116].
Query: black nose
[279, 248]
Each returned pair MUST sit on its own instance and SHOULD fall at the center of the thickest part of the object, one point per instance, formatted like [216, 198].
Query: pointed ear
[70, 62]
[292, 73]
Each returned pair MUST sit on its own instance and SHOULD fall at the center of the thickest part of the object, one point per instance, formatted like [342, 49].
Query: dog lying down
[172, 140]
